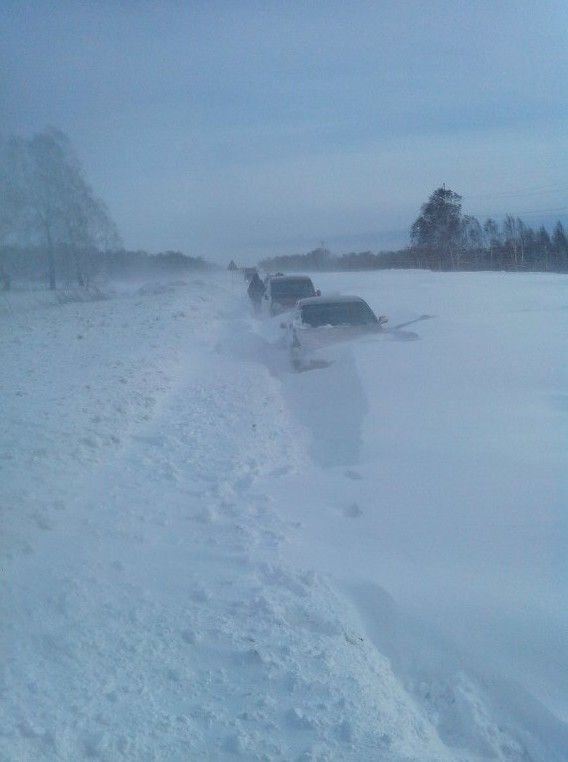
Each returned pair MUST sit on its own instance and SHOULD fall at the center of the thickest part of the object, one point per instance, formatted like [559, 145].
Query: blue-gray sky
[250, 128]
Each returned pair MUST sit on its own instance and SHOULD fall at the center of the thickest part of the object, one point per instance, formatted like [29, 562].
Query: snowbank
[199, 541]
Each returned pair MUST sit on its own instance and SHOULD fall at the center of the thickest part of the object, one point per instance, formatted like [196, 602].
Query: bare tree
[491, 235]
[12, 195]
[53, 204]
[86, 224]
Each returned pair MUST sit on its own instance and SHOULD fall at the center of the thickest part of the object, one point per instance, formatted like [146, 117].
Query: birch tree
[52, 204]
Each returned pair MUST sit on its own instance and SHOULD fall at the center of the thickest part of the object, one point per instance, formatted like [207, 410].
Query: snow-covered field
[207, 555]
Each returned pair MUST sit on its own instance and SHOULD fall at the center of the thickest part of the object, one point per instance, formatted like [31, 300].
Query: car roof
[329, 300]
[290, 277]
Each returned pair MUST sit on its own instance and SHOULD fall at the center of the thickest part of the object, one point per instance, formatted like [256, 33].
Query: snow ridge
[150, 612]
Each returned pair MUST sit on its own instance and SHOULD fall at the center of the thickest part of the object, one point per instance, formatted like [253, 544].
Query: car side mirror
[318, 292]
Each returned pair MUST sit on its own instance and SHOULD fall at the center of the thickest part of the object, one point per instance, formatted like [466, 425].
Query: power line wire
[522, 192]
[520, 214]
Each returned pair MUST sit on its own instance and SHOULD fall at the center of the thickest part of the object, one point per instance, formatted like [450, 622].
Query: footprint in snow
[352, 511]
[189, 636]
[282, 471]
[42, 522]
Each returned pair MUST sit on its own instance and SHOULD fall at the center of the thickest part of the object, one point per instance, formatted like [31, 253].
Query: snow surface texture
[207, 555]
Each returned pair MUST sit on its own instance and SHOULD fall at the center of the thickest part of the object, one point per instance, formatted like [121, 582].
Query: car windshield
[337, 313]
[298, 288]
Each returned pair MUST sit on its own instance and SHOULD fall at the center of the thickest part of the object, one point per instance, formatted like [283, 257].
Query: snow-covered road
[200, 546]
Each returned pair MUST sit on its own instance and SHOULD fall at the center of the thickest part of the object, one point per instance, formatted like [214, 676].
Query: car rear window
[299, 288]
[340, 313]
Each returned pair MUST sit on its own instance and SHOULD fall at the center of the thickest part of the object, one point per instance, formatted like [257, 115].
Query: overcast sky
[249, 128]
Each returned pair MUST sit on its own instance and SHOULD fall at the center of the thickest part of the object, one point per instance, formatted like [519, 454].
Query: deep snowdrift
[207, 555]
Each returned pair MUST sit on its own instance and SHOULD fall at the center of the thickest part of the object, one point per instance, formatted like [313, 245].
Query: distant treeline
[54, 228]
[442, 238]
[29, 264]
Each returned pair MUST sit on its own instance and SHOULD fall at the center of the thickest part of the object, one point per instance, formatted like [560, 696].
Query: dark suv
[282, 292]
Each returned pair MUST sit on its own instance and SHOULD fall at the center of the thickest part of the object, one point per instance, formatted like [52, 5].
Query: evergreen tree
[438, 229]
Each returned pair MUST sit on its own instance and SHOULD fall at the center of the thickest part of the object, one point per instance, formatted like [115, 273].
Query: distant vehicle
[325, 320]
[283, 291]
